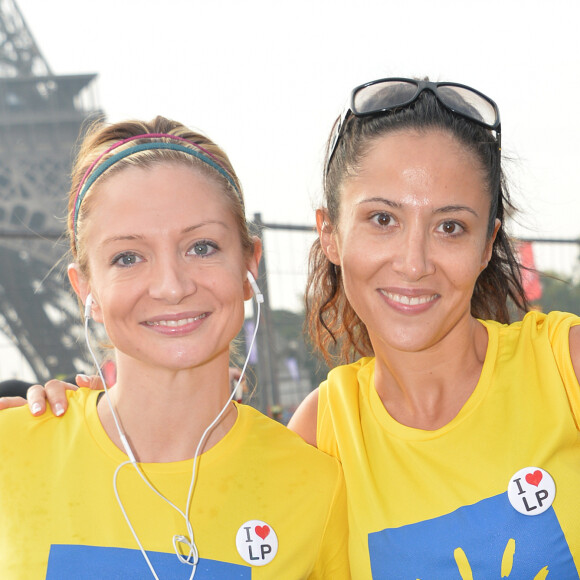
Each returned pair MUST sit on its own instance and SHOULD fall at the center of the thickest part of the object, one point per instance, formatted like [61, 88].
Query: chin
[405, 341]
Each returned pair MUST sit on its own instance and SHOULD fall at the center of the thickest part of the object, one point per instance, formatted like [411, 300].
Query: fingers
[83, 381]
[93, 382]
[54, 392]
[36, 398]
[9, 402]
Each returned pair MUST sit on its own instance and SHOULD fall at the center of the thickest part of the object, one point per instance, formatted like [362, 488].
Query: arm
[304, 421]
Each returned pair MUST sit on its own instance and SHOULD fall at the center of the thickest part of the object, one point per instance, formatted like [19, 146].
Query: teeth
[176, 323]
[409, 300]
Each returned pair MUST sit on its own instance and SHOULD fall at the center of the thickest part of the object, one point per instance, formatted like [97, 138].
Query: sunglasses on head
[384, 95]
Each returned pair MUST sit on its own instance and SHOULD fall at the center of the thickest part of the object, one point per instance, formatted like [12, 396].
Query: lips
[408, 300]
[176, 323]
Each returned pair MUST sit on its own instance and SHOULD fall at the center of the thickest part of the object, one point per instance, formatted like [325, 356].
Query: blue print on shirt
[487, 540]
[71, 562]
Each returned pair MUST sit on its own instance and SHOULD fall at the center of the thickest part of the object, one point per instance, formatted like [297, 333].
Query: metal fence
[283, 273]
[283, 371]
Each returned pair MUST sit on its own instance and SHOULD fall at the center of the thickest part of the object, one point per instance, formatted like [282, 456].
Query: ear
[252, 266]
[489, 245]
[82, 289]
[327, 236]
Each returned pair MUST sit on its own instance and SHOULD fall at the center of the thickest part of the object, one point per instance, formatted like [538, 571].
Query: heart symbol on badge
[262, 531]
[534, 478]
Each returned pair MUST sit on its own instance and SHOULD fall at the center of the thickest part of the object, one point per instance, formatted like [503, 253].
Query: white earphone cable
[193, 556]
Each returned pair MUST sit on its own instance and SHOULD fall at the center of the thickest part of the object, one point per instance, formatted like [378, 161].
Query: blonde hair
[95, 150]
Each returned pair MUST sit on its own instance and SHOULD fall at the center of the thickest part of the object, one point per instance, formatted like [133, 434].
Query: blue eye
[126, 259]
[203, 248]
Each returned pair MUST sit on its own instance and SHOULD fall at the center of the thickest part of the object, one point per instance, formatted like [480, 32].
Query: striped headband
[92, 174]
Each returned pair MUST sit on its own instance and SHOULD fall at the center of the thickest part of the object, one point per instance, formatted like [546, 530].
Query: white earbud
[257, 293]
[88, 306]
[192, 557]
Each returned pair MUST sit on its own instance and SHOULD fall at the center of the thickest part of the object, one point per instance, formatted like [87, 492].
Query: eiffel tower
[41, 116]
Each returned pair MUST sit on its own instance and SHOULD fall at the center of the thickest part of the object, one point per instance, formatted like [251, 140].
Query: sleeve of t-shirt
[559, 333]
[325, 436]
[332, 562]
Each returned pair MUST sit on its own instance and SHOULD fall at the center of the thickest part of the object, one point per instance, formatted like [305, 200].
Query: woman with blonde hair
[164, 476]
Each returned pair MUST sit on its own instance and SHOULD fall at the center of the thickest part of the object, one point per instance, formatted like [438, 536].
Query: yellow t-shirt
[265, 506]
[438, 504]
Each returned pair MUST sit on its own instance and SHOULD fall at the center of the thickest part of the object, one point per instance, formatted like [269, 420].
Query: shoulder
[352, 376]
[344, 383]
[304, 420]
[269, 433]
[22, 435]
[558, 328]
[14, 421]
[555, 335]
[276, 443]
[20, 420]
[549, 326]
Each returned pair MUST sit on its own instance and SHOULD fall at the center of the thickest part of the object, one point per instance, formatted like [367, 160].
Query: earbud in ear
[257, 293]
[88, 306]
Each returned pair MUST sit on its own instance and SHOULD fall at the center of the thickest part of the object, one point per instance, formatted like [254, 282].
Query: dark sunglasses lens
[469, 103]
[382, 95]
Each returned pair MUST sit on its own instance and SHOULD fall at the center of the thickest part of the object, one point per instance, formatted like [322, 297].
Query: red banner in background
[530, 277]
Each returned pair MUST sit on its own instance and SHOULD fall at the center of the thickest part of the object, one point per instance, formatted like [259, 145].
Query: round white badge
[531, 491]
[257, 543]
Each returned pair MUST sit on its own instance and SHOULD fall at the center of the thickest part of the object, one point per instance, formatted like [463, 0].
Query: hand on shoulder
[53, 393]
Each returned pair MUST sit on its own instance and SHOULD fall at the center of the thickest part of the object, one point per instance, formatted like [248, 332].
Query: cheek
[362, 255]
[227, 291]
[363, 271]
[116, 303]
[463, 271]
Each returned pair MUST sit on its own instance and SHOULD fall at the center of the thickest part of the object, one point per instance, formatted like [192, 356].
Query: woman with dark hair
[457, 432]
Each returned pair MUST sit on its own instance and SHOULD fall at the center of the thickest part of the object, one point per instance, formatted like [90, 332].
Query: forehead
[432, 163]
[405, 146]
[166, 195]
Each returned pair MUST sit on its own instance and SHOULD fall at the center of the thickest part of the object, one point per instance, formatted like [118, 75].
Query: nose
[413, 255]
[171, 280]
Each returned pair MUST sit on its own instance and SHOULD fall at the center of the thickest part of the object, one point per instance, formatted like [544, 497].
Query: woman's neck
[427, 389]
[164, 413]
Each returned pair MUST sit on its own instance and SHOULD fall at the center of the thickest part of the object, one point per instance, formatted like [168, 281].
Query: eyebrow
[454, 208]
[440, 210]
[187, 230]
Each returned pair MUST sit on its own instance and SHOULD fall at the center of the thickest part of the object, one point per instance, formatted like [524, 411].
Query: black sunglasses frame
[420, 87]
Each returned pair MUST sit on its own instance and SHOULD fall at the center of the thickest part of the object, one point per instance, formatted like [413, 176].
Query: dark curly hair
[333, 326]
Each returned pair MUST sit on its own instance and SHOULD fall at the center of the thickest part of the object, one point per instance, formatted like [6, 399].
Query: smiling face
[411, 238]
[167, 269]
